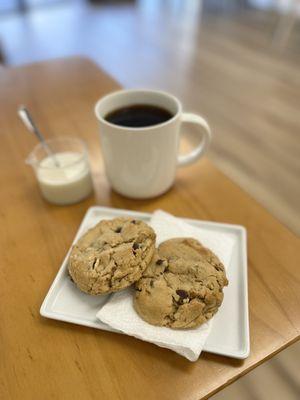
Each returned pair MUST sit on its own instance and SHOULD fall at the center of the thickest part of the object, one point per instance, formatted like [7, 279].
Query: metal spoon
[31, 126]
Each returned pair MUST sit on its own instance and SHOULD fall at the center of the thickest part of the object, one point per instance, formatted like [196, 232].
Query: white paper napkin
[119, 313]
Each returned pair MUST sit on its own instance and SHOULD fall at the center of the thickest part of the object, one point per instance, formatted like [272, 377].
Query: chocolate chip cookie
[182, 287]
[112, 255]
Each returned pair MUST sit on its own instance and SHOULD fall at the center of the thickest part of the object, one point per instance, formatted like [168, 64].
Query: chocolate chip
[135, 246]
[118, 230]
[182, 293]
[159, 262]
[133, 221]
[151, 283]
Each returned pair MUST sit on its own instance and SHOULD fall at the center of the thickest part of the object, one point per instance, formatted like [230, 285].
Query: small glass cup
[63, 175]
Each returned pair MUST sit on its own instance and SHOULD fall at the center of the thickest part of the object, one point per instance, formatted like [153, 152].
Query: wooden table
[46, 359]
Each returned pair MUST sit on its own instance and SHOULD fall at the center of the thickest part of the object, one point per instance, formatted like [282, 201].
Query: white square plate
[66, 303]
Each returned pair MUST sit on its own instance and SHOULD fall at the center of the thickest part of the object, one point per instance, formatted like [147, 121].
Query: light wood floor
[222, 65]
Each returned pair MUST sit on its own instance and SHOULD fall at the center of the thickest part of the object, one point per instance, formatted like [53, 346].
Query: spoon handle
[31, 126]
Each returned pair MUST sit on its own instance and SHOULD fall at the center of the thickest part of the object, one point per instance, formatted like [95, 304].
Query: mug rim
[133, 128]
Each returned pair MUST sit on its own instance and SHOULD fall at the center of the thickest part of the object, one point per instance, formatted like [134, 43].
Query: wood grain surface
[46, 359]
[216, 56]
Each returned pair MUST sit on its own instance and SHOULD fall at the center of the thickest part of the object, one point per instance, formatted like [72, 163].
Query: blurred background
[237, 62]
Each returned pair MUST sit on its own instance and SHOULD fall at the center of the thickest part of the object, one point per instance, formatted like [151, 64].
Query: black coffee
[138, 115]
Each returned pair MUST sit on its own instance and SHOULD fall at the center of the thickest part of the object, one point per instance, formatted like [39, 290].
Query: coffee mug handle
[205, 134]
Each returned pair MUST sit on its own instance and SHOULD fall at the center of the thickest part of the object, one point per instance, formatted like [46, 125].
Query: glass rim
[83, 154]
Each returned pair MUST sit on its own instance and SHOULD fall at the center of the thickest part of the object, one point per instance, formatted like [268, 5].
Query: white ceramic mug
[141, 162]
